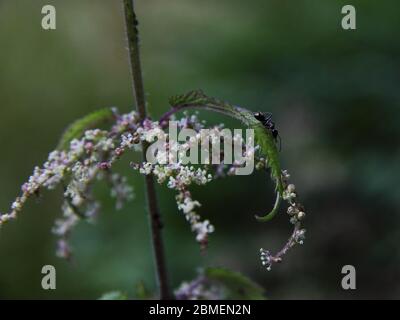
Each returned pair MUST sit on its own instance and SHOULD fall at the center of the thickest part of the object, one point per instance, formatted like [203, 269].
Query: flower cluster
[91, 157]
[120, 189]
[87, 159]
[201, 228]
[296, 213]
[179, 177]
[47, 177]
[199, 289]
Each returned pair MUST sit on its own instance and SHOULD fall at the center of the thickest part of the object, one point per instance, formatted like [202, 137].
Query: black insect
[266, 119]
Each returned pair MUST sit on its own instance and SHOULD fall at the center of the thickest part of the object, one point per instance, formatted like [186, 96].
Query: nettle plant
[87, 154]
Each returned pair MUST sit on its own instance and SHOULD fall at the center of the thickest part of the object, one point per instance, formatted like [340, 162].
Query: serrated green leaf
[77, 128]
[114, 295]
[236, 286]
[263, 136]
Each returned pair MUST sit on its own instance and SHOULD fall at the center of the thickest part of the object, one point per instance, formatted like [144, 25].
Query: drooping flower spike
[86, 155]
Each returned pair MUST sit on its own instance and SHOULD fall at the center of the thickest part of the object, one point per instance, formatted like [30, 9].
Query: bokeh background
[335, 98]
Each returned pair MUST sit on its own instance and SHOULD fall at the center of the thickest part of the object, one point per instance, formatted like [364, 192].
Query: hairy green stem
[131, 23]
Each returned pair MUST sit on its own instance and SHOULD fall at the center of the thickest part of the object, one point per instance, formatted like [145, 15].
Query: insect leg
[268, 116]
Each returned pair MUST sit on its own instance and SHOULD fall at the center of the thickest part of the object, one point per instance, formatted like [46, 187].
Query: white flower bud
[291, 188]
[301, 215]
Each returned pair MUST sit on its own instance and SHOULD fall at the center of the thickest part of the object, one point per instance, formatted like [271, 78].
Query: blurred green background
[335, 98]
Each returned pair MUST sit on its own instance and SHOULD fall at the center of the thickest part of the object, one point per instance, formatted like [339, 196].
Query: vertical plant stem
[131, 23]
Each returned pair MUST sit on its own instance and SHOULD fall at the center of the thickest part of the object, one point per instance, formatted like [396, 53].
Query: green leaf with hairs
[263, 136]
[236, 286]
[77, 128]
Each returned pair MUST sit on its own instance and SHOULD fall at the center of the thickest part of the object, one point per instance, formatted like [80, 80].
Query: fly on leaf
[266, 119]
